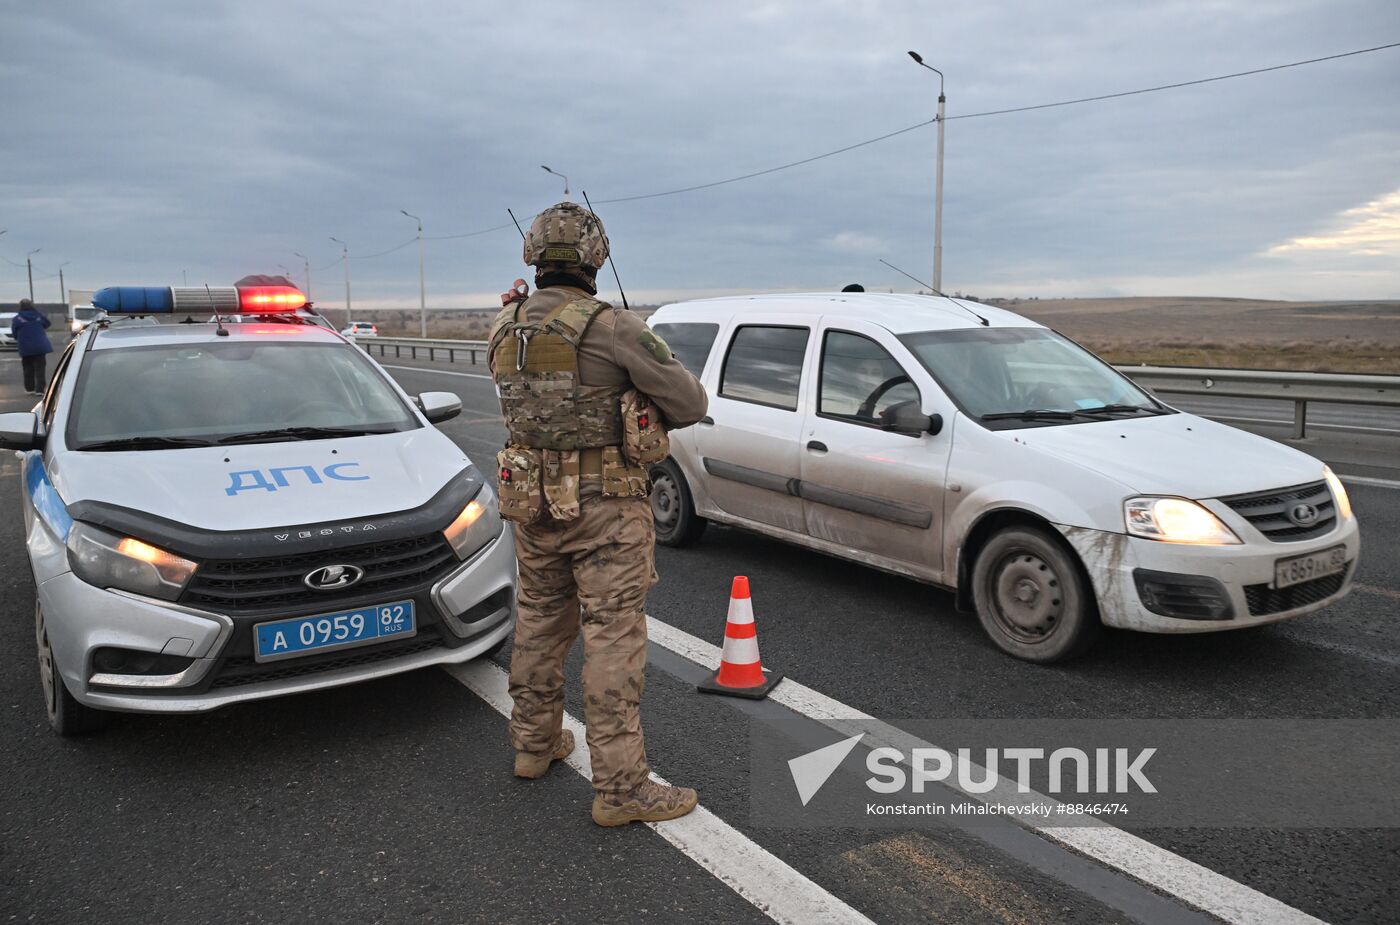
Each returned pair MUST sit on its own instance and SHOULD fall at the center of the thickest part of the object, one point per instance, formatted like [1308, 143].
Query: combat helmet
[566, 234]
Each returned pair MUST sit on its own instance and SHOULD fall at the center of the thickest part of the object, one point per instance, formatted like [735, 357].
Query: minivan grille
[1263, 600]
[253, 585]
[1268, 511]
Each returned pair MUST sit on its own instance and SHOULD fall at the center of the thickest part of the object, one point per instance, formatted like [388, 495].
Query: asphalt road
[393, 801]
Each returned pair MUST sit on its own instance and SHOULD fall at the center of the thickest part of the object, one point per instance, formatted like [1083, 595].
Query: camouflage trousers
[593, 573]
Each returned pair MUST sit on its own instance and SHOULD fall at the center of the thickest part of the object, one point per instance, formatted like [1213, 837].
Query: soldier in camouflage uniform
[588, 392]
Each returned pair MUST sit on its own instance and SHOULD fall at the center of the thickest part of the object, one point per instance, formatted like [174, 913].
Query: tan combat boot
[650, 802]
[533, 766]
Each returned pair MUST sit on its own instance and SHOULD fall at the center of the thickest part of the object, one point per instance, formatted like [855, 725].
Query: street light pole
[345, 259]
[422, 289]
[29, 262]
[62, 288]
[938, 190]
[306, 260]
[560, 176]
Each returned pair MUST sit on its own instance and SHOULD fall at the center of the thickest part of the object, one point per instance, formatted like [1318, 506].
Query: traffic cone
[740, 672]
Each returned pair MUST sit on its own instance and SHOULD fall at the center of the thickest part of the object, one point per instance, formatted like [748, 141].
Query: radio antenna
[610, 260]
[218, 319]
[517, 224]
[985, 322]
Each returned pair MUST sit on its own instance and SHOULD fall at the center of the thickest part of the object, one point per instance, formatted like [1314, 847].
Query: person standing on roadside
[588, 392]
[34, 347]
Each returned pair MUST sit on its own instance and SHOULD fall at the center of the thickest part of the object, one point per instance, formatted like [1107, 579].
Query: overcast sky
[145, 140]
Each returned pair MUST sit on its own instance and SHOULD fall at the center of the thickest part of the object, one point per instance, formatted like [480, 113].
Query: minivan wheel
[672, 508]
[66, 715]
[1031, 598]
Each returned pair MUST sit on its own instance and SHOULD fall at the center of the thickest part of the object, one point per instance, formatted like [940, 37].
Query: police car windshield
[229, 391]
[1019, 377]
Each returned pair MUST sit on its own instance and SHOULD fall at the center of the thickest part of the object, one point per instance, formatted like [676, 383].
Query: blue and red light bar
[222, 300]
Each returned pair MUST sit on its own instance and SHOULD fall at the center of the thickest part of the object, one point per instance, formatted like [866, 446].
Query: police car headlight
[111, 561]
[1339, 492]
[478, 524]
[1176, 520]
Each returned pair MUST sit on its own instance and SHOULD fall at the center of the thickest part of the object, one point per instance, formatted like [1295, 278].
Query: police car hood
[1175, 454]
[264, 485]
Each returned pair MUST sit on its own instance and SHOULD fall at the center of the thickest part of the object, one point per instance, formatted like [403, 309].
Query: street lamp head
[918, 58]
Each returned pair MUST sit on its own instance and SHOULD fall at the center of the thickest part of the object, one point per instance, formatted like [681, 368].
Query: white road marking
[440, 372]
[1366, 480]
[769, 883]
[1167, 872]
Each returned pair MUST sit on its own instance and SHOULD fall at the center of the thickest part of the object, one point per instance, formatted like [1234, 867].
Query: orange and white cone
[740, 672]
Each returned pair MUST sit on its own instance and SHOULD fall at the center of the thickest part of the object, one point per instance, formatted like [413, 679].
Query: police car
[221, 512]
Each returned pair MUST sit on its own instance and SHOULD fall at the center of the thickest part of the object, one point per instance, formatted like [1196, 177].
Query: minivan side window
[764, 365]
[690, 342]
[860, 381]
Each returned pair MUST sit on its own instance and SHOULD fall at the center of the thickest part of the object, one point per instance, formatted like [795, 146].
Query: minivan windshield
[227, 392]
[1015, 377]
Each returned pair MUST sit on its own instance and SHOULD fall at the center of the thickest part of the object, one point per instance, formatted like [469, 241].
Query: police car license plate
[326, 632]
[1298, 569]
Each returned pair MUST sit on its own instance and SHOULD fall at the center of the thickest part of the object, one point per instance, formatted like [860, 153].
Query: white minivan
[971, 448]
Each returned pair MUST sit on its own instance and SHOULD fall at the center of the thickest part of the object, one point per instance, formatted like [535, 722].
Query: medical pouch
[519, 483]
[644, 439]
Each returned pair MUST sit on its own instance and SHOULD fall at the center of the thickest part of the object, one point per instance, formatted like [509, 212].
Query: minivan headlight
[1339, 492]
[1176, 520]
[477, 525]
[111, 561]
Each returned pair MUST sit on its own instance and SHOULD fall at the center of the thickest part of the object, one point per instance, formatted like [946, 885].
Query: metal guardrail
[432, 348]
[1299, 388]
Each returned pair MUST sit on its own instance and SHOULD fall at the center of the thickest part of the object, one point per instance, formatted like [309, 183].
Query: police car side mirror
[20, 431]
[439, 406]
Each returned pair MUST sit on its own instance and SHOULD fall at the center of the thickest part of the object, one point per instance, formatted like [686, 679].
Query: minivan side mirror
[439, 406]
[19, 430]
[908, 419]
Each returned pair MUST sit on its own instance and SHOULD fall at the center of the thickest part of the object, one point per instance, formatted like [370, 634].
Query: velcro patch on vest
[562, 255]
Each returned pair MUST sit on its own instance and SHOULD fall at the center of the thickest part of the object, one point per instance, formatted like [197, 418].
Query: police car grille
[1263, 600]
[237, 671]
[1268, 511]
[252, 585]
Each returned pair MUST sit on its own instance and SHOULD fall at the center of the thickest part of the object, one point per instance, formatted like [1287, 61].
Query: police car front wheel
[66, 715]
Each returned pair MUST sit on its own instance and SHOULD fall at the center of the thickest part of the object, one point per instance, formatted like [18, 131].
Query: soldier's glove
[518, 292]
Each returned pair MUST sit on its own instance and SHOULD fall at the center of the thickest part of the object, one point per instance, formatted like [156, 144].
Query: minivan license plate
[1298, 569]
[326, 632]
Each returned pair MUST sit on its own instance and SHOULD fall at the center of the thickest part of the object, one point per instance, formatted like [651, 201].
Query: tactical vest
[536, 364]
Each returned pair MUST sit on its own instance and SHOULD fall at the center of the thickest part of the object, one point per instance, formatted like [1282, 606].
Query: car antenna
[610, 260]
[218, 319]
[985, 322]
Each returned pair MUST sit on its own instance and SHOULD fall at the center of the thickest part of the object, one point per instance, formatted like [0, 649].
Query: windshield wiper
[145, 443]
[303, 433]
[1123, 409]
[1033, 414]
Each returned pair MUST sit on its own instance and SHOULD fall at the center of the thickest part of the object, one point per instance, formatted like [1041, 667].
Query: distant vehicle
[361, 329]
[80, 316]
[224, 513]
[7, 340]
[997, 459]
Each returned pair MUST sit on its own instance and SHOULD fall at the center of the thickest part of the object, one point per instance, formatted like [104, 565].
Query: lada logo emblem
[333, 577]
[1303, 514]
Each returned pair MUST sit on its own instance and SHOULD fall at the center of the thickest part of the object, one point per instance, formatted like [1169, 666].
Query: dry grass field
[1361, 337]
